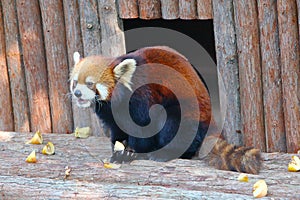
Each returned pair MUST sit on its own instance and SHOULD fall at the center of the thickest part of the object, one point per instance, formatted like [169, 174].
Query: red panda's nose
[78, 93]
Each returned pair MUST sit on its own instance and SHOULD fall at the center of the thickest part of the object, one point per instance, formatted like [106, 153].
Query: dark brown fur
[226, 156]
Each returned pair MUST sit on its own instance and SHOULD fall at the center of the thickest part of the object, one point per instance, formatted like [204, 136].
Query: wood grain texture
[247, 28]
[188, 9]
[31, 36]
[112, 35]
[81, 117]
[271, 76]
[91, 38]
[290, 72]
[57, 65]
[128, 9]
[227, 63]
[204, 9]
[170, 9]
[177, 179]
[15, 68]
[149, 9]
[6, 112]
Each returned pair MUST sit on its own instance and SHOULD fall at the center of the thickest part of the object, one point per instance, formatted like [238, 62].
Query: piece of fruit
[260, 189]
[36, 139]
[48, 149]
[31, 158]
[243, 177]
[119, 146]
[294, 165]
[82, 132]
[67, 172]
[108, 165]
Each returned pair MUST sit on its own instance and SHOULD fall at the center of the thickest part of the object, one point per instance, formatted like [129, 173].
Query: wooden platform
[178, 179]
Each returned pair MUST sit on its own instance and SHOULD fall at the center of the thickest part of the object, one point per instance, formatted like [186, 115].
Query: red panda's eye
[89, 84]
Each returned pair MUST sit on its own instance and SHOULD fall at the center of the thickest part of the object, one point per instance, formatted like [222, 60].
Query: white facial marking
[87, 95]
[75, 78]
[103, 91]
[90, 79]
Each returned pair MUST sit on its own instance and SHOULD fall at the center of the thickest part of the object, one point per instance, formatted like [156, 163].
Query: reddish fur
[223, 155]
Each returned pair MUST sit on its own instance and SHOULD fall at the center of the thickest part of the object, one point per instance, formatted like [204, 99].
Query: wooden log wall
[257, 45]
[265, 35]
[37, 42]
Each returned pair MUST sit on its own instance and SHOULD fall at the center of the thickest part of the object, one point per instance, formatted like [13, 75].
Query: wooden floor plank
[177, 179]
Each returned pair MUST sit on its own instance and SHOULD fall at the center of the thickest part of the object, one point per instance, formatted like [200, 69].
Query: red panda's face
[93, 78]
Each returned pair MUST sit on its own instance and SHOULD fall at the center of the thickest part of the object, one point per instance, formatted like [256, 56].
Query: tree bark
[227, 63]
[31, 35]
[81, 117]
[6, 112]
[15, 68]
[188, 9]
[170, 9]
[57, 64]
[204, 8]
[91, 38]
[272, 93]
[128, 9]
[247, 28]
[290, 72]
[149, 9]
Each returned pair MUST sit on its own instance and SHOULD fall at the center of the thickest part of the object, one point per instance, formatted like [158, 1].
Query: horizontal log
[177, 179]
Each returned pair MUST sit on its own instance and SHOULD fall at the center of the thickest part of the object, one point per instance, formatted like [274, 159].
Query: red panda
[155, 102]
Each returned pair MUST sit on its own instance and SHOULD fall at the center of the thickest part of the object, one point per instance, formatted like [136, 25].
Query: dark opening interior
[200, 30]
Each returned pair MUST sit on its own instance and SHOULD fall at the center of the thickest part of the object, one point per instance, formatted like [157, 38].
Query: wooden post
[58, 73]
[188, 9]
[227, 60]
[91, 38]
[31, 36]
[149, 9]
[170, 9]
[271, 75]
[246, 19]
[81, 117]
[289, 51]
[6, 113]
[112, 35]
[204, 8]
[15, 68]
[128, 9]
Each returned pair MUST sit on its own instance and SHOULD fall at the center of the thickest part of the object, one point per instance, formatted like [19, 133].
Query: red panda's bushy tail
[234, 158]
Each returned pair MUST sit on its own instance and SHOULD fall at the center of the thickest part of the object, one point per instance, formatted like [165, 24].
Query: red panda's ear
[123, 72]
[76, 57]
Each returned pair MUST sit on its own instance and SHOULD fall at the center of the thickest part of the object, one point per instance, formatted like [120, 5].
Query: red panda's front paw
[123, 156]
